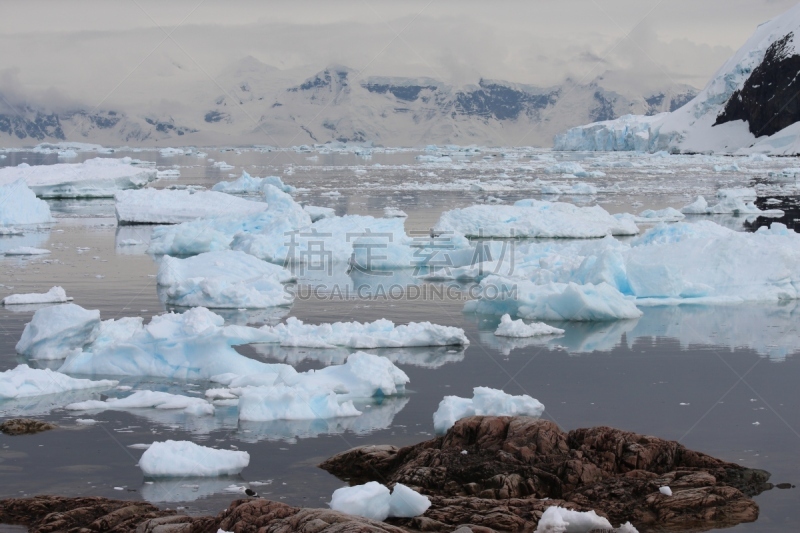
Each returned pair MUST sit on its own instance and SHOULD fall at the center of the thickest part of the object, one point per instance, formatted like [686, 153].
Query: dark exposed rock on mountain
[770, 98]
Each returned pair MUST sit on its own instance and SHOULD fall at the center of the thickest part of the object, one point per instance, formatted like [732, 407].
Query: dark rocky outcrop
[25, 426]
[510, 464]
[514, 468]
[769, 100]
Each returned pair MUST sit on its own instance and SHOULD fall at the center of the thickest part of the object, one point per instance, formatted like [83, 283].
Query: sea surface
[722, 380]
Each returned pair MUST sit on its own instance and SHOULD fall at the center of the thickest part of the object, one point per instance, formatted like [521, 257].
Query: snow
[224, 279]
[484, 402]
[282, 402]
[691, 128]
[248, 184]
[154, 206]
[58, 331]
[148, 399]
[370, 500]
[518, 328]
[379, 334]
[666, 491]
[373, 500]
[24, 381]
[53, 296]
[560, 520]
[27, 250]
[534, 218]
[20, 206]
[94, 178]
[187, 459]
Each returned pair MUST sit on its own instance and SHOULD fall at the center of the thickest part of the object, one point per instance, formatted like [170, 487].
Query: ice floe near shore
[187, 459]
[535, 218]
[224, 279]
[484, 402]
[373, 500]
[21, 207]
[24, 381]
[94, 178]
[154, 206]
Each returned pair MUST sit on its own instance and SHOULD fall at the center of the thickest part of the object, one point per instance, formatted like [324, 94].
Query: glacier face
[747, 107]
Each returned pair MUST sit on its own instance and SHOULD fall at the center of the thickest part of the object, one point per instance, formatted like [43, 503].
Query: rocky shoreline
[486, 474]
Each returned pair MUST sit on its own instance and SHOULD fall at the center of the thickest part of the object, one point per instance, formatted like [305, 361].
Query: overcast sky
[137, 50]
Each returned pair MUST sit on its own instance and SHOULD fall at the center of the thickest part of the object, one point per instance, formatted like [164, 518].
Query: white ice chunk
[518, 328]
[148, 399]
[534, 218]
[281, 402]
[55, 295]
[154, 206]
[666, 491]
[485, 402]
[99, 177]
[370, 500]
[20, 205]
[318, 213]
[225, 279]
[560, 520]
[27, 250]
[249, 184]
[187, 459]
[406, 502]
[393, 212]
[58, 331]
[24, 381]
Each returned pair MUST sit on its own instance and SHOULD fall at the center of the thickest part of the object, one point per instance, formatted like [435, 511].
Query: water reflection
[186, 489]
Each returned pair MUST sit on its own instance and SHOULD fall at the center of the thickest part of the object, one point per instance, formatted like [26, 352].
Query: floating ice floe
[373, 500]
[187, 459]
[393, 212]
[518, 328]
[281, 402]
[577, 189]
[21, 207]
[94, 178]
[668, 214]
[318, 213]
[55, 295]
[57, 331]
[248, 184]
[224, 279]
[379, 334]
[154, 206]
[730, 205]
[24, 381]
[148, 399]
[484, 402]
[27, 250]
[535, 218]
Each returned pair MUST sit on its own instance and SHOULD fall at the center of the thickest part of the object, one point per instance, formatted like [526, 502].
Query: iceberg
[94, 178]
[734, 205]
[282, 402]
[248, 184]
[21, 207]
[225, 279]
[484, 402]
[155, 206]
[561, 520]
[24, 381]
[147, 399]
[668, 214]
[519, 329]
[373, 500]
[534, 218]
[56, 295]
[56, 332]
[318, 213]
[187, 459]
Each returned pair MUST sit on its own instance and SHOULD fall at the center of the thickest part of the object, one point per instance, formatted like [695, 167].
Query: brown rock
[25, 426]
[513, 463]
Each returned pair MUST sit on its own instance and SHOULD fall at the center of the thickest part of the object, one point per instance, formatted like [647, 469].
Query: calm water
[721, 380]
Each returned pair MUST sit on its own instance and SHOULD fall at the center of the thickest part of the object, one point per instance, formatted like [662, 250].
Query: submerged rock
[25, 426]
[512, 463]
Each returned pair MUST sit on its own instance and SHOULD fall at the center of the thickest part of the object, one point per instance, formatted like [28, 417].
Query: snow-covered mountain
[750, 105]
[254, 103]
